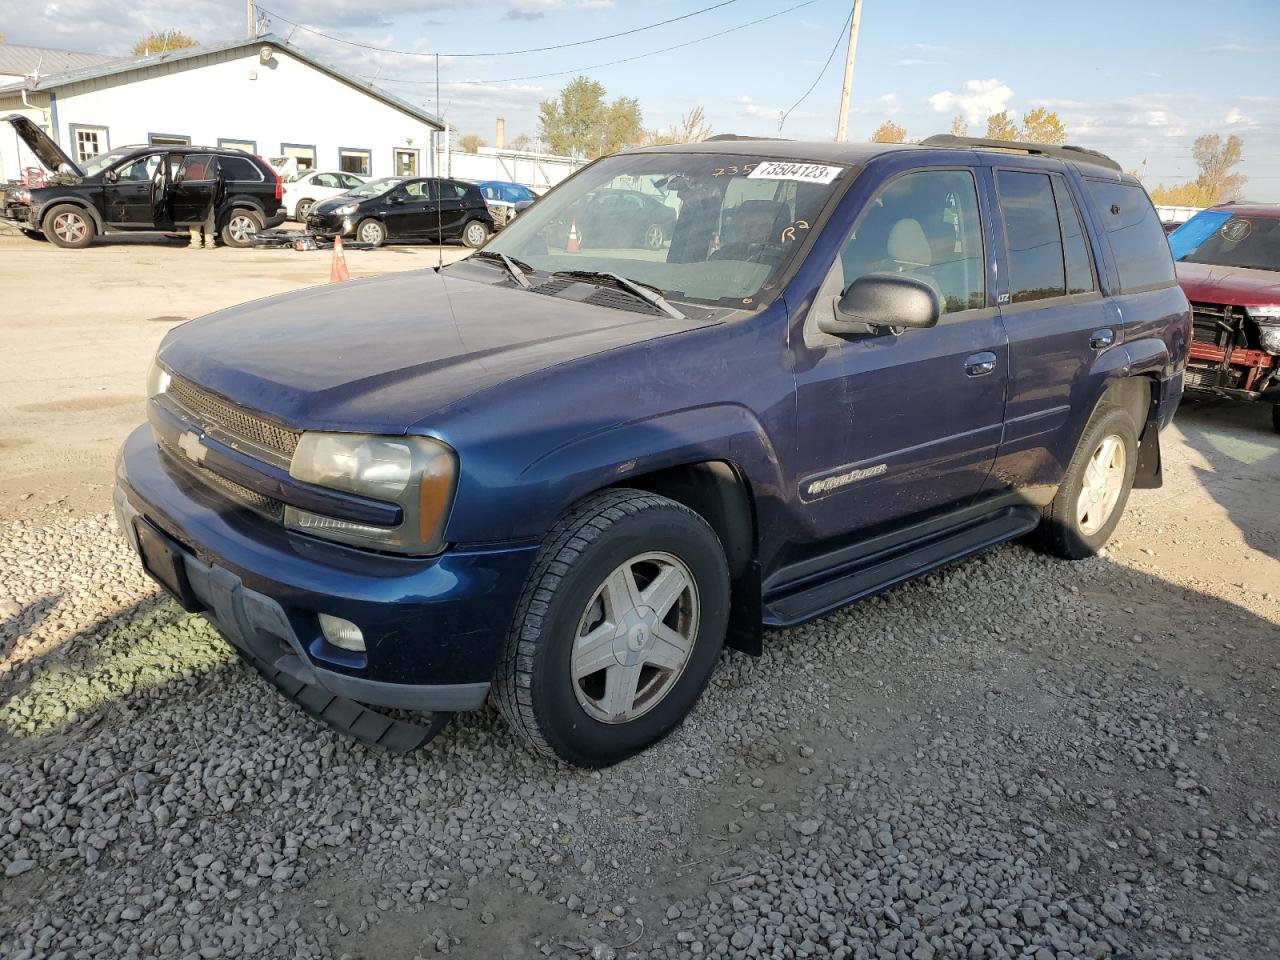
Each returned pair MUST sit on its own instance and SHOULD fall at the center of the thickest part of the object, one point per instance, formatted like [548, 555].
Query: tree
[692, 128]
[889, 132]
[162, 41]
[521, 142]
[1001, 127]
[959, 126]
[1043, 126]
[471, 143]
[578, 122]
[1215, 157]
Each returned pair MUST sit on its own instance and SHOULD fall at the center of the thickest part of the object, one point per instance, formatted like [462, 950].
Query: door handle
[1101, 339]
[980, 364]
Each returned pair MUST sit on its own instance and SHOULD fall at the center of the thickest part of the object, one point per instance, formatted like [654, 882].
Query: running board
[886, 568]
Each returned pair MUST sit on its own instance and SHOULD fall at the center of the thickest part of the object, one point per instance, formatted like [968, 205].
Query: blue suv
[566, 472]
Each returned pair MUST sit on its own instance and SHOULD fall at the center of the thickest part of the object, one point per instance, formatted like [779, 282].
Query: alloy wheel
[653, 237]
[70, 227]
[635, 637]
[242, 228]
[1101, 486]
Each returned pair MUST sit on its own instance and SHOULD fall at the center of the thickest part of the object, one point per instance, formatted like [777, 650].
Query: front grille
[255, 501]
[211, 411]
[1214, 323]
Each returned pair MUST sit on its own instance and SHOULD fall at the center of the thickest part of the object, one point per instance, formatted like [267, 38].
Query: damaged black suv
[156, 188]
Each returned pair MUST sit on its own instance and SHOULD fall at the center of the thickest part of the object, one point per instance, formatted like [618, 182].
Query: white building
[257, 94]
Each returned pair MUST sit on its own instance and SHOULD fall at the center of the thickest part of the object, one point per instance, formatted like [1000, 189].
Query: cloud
[977, 100]
[914, 62]
[891, 103]
[537, 9]
[749, 108]
[1234, 116]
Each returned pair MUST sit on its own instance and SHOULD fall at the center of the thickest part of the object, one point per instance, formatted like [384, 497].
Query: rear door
[895, 426]
[454, 210]
[195, 187]
[1057, 321]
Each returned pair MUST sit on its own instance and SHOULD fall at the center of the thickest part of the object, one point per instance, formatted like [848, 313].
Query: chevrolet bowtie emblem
[189, 443]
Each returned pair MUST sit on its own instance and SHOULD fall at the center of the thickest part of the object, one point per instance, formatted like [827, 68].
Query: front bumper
[331, 226]
[18, 214]
[433, 627]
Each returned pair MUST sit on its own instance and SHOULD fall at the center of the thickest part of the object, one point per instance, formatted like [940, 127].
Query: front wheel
[69, 226]
[372, 232]
[654, 237]
[303, 208]
[241, 228]
[620, 624]
[474, 234]
[1095, 488]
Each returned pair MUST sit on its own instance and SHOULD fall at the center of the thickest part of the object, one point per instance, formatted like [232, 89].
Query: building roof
[109, 67]
[19, 60]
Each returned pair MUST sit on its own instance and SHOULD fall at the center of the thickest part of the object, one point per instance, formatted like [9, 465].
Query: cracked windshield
[705, 227]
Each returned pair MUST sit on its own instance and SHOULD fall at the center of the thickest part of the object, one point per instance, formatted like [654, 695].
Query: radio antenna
[439, 188]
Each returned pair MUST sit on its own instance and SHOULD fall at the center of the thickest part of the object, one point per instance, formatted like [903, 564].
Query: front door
[893, 426]
[1057, 323]
[410, 210]
[130, 192]
[194, 189]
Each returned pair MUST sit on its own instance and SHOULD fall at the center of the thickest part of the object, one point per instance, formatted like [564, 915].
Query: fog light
[342, 633]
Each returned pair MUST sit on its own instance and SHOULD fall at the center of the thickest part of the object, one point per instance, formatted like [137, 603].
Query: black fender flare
[99, 225]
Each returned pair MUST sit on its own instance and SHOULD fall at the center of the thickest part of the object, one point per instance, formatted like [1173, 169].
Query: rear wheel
[69, 226]
[241, 228]
[1095, 489]
[474, 234]
[372, 232]
[620, 625]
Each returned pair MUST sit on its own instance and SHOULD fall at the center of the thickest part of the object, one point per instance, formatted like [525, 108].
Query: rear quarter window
[239, 168]
[1138, 242]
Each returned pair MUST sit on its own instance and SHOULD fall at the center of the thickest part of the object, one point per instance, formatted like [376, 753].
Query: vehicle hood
[39, 143]
[333, 203]
[1238, 286]
[379, 355]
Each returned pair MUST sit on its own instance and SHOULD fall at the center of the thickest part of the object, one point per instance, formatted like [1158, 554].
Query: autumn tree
[1000, 126]
[521, 142]
[1043, 126]
[471, 143]
[578, 121]
[692, 128]
[889, 132]
[1215, 183]
[959, 126]
[162, 41]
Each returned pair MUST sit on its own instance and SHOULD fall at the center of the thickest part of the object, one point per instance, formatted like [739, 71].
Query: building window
[248, 146]
[356, 161]
[406, 162]
[89, 141]
[303, 156]
[168, 140]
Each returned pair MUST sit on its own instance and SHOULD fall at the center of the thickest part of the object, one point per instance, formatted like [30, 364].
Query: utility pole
[250, 27]
[842, 125]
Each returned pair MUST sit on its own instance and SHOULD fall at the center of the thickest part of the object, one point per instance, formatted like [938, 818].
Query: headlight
[417, 473]
[1269, 337]
[345, 209]
[157, 379]
[20, 196]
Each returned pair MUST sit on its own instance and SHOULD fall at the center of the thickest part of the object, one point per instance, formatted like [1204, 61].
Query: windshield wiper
[646, 293]
[514, 267]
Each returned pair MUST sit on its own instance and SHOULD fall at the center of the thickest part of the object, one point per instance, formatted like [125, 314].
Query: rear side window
[1032, 236]
[1138, 242]
[238, 168]
[1075, 247]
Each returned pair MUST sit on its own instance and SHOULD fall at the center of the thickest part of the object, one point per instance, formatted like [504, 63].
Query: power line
[499, 53]
[821, 73]
[611, 63]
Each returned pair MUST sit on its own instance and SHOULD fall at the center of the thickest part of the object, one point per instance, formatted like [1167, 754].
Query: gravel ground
[1015, 757]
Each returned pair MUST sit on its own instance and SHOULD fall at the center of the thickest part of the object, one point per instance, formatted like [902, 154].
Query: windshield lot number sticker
[790, 170]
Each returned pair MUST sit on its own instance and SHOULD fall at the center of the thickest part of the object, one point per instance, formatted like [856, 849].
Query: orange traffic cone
[338, 269]
[572, 245]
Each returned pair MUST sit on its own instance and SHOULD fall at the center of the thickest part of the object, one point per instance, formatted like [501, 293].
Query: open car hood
[39, 142]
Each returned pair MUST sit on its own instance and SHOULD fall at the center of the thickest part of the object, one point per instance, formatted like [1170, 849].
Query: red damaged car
[1228, 260]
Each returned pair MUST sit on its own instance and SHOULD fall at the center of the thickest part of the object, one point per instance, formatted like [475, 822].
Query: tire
[1070, 527]
[654, 236]
[475, 234]
[372, 232]
[69, 226]
[569, 590]
[241, 227]
[302, 209]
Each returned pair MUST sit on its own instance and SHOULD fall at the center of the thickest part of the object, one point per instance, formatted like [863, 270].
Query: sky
[1137, 80]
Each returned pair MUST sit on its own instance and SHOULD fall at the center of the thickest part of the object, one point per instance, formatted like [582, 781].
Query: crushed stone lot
[1015, 757]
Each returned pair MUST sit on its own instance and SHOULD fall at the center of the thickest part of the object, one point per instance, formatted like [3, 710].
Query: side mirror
[882, 300]
[111, 176]
[395, 198]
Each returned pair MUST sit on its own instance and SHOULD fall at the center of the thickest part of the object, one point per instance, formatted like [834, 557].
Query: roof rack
[733, 137]
[1064, 152]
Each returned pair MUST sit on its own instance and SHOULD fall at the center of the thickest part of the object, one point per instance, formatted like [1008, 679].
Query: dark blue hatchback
[572, 468]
